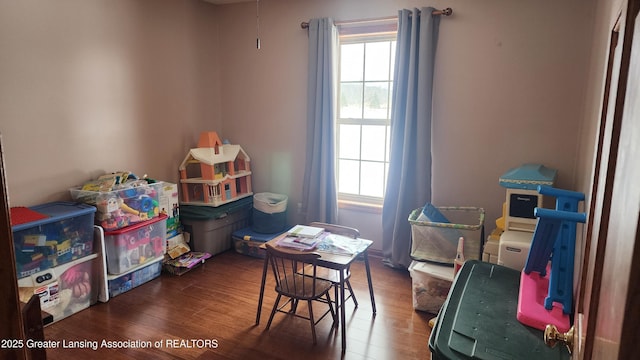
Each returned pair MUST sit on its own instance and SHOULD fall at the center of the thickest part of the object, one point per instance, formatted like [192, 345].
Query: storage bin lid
[528, 176]
[124, 230]
[479, 318]
[56, 211]
[195, 212]
[248, 234]
[442, 272]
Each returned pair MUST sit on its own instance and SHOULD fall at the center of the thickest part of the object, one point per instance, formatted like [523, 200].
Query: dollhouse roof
[226, 153]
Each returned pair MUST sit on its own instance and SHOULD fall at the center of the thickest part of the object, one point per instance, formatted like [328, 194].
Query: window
[364, 112]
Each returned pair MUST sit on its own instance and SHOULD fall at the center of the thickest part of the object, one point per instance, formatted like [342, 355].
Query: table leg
[365, 254]
[342, 313]
[265, 268]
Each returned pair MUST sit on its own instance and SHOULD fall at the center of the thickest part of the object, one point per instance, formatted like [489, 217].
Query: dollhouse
[214, 173]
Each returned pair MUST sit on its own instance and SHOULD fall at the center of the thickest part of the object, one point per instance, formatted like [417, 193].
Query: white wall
[509, 89]
[107, 85]
[89, 87]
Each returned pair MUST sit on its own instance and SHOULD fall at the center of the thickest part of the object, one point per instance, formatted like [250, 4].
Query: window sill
[360, 206]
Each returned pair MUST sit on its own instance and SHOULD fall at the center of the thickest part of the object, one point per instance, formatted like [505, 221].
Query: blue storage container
[63, 234]
[135, 277]
[246, 241]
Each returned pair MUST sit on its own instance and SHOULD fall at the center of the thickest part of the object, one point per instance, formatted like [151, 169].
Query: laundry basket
[435, 232]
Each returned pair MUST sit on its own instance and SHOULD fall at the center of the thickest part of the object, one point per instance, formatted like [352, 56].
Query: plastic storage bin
[135, 245]
[478, 319]
[64, 290]
[63, 233]
[269, 213]
[211, 227]
[135, 277]
[248, 242]
[431, 284]
[121, 208]
[435, 232]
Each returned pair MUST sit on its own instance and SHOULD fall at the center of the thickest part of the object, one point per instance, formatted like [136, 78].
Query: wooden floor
[209, 313]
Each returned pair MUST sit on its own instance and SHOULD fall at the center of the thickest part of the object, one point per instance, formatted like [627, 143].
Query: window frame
[384, 32]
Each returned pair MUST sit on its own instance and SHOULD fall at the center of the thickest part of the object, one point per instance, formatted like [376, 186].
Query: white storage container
[65, 289]
[431, 283]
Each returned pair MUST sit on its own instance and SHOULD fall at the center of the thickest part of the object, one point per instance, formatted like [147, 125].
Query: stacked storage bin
[211, 227]
[56, 257]
[135, 233]
[268, 220]
[215, 197]
[435, 232]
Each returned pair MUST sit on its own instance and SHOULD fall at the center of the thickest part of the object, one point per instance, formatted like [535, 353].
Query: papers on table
[308, 238]
[341, 245]
[301, 243]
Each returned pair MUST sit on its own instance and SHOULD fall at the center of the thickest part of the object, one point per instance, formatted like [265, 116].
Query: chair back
[338, 229]
[295, 273]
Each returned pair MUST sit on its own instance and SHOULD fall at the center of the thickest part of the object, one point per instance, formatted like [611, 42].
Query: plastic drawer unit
[478, 319]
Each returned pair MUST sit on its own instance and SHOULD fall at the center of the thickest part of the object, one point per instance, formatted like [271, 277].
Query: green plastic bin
[478, 319]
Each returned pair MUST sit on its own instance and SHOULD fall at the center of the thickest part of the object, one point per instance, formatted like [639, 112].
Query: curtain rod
[444, 12]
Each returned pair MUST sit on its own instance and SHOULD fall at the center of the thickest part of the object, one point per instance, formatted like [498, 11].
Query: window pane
[388, 143]
[393, 59]
[372, 179]
[349, 142]
[386, 175]
[351, 62]
[348, 179]
[390, 98]
[373, 142]
[351, 101]
[377, 61]
[376, 100]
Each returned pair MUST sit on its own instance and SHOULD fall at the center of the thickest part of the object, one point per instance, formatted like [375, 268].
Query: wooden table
[328, 260]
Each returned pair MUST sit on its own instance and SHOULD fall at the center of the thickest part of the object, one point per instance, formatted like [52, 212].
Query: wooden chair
[334, 275]
[295, 274]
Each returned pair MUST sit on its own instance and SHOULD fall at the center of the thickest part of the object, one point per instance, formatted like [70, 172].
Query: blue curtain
[319, 192]
[409, 179]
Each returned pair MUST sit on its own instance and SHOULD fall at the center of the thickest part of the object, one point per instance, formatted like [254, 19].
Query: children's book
[185, 262]
[305, 231]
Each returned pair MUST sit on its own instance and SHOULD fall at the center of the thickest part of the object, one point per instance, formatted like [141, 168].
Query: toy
[130, 206]
[546, 290]
[77, 279]
[110, 214]
[214, 173]
[127, 201]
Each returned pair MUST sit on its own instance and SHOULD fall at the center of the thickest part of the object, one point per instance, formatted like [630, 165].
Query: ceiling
[221, 2]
